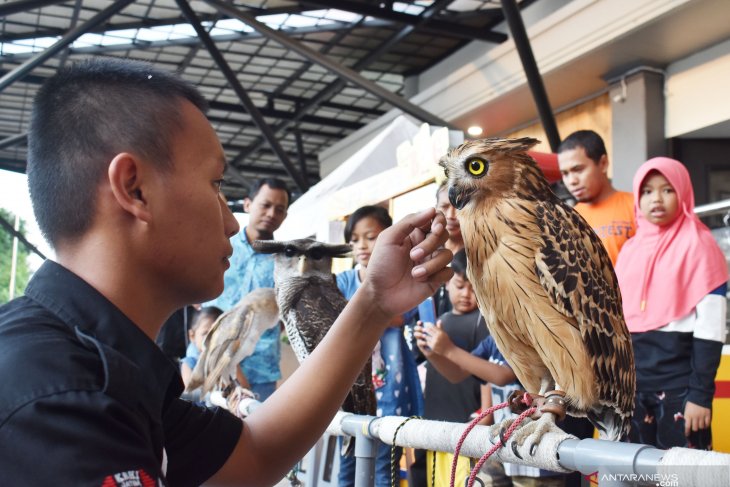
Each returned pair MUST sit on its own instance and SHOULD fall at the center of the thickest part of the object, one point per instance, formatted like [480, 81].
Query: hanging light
[474, 130]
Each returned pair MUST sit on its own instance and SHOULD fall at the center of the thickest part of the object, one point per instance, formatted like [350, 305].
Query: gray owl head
[302, 257]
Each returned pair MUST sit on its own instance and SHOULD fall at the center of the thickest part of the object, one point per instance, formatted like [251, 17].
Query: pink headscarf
[663, 272]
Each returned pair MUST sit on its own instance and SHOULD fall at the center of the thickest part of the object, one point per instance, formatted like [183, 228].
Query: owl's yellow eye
[476, 166]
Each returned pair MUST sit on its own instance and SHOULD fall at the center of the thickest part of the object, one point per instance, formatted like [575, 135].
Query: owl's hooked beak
[302, 265]
[459, 197]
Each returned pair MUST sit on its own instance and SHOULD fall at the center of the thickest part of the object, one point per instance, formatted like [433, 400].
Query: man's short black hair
[379, 213]
[273, 183]
[85, 115]
[590, 141]
[458, 263]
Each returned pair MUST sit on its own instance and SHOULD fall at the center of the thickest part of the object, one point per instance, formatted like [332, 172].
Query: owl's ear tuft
[522, 144]
[268, 246]
[339, 250]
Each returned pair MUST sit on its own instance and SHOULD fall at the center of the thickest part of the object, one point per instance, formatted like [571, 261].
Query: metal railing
[716, 208]
[606, 462]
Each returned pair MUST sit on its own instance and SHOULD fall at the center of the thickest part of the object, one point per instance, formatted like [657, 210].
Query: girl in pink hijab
[673, 279]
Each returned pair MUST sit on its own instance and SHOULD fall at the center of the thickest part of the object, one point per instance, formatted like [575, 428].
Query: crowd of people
[459, 353]
[128, 193]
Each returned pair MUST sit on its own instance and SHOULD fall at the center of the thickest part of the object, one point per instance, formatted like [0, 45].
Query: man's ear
[126, 178]
[603, 163]
[247, 205]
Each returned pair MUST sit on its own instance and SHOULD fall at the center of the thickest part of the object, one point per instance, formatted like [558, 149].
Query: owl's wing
[197, 378]
[256, 313]
[575, 270]
[221, 349]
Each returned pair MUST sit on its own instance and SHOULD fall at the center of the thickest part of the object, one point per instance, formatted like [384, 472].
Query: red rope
[515, 424]
[526, 399]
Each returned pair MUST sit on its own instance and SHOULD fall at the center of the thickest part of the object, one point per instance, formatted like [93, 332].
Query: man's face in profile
[190, 246]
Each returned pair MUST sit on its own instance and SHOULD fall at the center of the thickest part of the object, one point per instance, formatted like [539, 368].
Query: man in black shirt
[125, 173]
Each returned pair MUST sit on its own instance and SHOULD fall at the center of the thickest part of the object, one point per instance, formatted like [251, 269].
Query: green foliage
[22, 273]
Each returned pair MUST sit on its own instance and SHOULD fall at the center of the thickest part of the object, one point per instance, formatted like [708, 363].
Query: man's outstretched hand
[408, 263]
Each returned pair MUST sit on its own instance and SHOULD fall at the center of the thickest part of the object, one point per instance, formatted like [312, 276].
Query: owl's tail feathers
[611, 424]
[361, 398]
[213, 377]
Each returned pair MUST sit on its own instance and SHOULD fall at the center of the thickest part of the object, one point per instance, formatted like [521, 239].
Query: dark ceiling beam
[311, 158]
[270, 171]
[440, 27]
[494, 17]
[297, 100]
[139, 24]
[248, 123]
[532, 73]
[13, 165]
[194, 49]
[13, 140]
[338, 84]
[62, 43]
[189, 41]
[300, 152]
[28, 78]
[324, 50]
[402, 33]
[110, 28]
[327, 104]
[251, 108]
[331, 65]
[25, 5]
[74, 20]
[281, 114]
[19, 166]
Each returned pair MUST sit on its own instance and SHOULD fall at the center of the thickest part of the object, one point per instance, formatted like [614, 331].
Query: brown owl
[544, 284]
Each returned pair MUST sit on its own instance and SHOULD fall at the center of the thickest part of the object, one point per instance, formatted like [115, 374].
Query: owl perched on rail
[544, 284]
[310, 302]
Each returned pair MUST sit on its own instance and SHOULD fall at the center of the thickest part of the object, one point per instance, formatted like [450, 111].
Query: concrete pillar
[637, 122]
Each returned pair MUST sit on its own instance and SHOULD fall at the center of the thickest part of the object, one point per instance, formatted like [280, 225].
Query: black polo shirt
[86, 398]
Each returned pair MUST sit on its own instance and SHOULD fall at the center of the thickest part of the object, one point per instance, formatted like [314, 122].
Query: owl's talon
[533, 449]
[502, 439]
[497, 431]
[514, 450]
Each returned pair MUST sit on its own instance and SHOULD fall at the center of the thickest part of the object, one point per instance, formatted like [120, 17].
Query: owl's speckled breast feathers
[543, 281]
